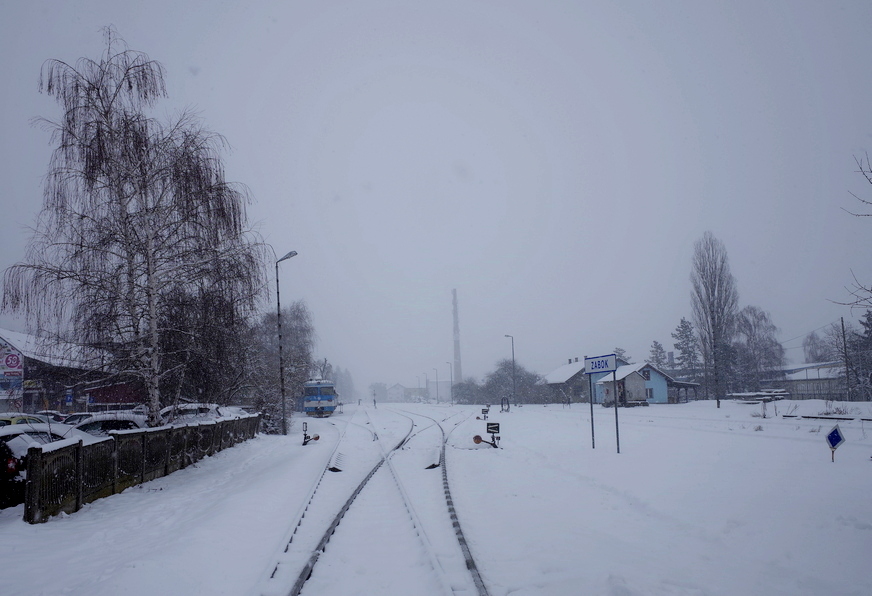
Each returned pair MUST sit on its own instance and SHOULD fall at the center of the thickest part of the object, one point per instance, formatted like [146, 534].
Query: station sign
[601, 364]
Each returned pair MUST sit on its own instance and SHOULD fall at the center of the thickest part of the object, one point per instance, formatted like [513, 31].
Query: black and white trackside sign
[600, 364]
[493, 427]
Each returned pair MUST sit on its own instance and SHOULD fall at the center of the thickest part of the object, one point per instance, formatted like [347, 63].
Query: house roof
[625, 371]
[569, 370]
[826, 371]
[621, 373]
[55, 353]
[564, 373]
[668, 378]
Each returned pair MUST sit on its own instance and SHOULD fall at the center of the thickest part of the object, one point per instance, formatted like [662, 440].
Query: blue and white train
[319, 398]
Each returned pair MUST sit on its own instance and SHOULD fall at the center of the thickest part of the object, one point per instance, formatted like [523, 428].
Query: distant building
[396, 393]
[568, 383]
[42, 374]
[658, 387]
[820, 380]
[627, 383]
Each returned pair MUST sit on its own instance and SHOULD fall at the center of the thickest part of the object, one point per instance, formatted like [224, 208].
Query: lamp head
[293, 253]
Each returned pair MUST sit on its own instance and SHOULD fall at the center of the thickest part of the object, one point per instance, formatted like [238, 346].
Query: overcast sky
[553, 161]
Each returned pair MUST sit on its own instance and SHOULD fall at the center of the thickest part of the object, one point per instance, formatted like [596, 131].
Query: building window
[646, 374]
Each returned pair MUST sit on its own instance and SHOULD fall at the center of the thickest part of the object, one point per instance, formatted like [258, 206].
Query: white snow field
[700, 501]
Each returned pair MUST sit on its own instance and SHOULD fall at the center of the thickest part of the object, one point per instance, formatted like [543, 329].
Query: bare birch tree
[759, 353]
[298, 339]
[714, 300]
[138, 226]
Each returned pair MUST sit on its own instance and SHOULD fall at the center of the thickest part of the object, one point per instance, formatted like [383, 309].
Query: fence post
[168, 443]
[114, 464]
[185, 448]
[33, 485]
[80, 473]
[144, 458]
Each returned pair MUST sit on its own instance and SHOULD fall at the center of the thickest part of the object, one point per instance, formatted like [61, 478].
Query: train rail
[399, 507]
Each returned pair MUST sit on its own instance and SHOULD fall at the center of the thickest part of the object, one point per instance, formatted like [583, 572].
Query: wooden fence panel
[64, 479]
[98, 470]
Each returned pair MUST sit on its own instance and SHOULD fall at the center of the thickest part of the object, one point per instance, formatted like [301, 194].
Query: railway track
[391, 492]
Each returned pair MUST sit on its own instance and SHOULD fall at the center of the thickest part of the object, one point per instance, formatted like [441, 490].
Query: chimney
[576, 358]
[570, 361]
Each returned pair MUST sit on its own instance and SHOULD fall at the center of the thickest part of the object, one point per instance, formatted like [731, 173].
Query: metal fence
[66, 478]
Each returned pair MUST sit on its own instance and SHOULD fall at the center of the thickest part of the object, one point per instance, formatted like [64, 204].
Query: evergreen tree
[658, 355]
[687, 348]
[622, 354]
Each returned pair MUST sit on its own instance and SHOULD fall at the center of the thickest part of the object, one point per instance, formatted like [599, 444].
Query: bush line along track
[468, 561]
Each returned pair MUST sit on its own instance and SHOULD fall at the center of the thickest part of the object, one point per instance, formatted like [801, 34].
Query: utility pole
[293, 253]
[514, 396]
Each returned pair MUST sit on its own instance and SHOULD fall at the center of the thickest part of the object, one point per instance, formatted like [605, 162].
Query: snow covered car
[182, 413]
[77, 417]
[7, 418]
[51, 415]
[15, 440]
[99, 425]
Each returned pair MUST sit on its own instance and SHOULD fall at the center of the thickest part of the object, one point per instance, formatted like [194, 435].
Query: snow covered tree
[816, 349]
[686, 345]
[622, 354]
[714, 299]
[498, 385]
[657, 356]
[759, 354]
[862, 290]
[469, 392]
[344, 384]
[298, 340]
[142, 248]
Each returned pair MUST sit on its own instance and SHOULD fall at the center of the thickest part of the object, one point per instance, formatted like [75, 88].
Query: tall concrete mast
[458, 371]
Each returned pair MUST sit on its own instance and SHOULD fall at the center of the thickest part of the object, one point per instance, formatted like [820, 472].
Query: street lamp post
[514, 397]
[293, 253]
[437, 384]
[426, 386]
[451, 384]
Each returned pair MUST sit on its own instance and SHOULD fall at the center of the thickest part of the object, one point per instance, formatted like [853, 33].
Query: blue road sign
[835, 438]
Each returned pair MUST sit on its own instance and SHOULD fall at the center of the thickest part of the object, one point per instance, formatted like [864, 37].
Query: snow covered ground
[698, 502]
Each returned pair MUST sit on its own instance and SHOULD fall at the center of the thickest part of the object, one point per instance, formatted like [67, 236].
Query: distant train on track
[319, 398]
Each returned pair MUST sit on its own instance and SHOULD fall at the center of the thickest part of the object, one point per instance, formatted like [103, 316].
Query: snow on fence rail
[65, 477]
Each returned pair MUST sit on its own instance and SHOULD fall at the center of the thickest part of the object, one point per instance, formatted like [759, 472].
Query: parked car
[181, 413]
[15, 439]
[52, 415]
[8, 418]
[77, 417]
[100, 424]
